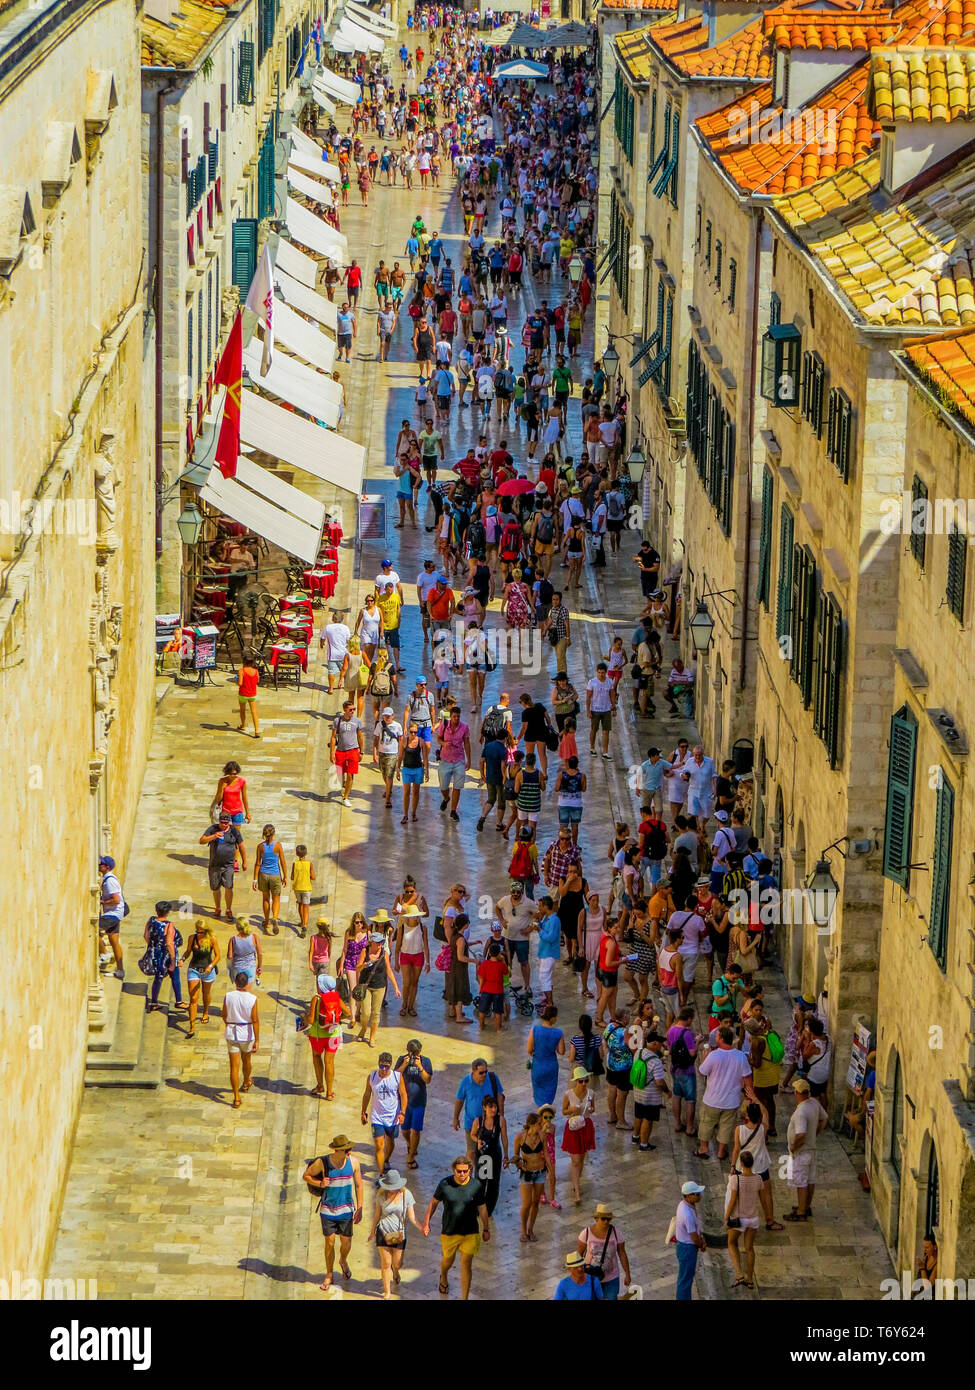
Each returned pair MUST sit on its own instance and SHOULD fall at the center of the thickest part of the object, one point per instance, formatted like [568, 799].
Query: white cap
[691, 1188]
[388, 710]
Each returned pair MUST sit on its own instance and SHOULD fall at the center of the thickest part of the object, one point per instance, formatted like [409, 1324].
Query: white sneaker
[346, 801]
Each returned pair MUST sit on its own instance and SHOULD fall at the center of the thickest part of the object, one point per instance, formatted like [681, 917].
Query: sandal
[191, 1033]
[346, 1271]
[556, 1206]
[329, 1095]
[797, 1216]
[774, 1226]
[327, 1284]
[413, 1163]
[443, 1287]
[749, 1284]
[738, 1282]
[236, 1105]
[404, 820]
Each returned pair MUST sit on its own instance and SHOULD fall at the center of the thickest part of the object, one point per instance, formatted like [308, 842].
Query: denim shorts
[413, 1119]
[684, 1085]
[207, 979]
[390, 1131]
[452, 775]
[570, 815]
[520, 950]
[412, 776]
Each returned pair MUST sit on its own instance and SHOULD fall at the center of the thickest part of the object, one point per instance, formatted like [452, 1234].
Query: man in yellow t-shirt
[389, 604]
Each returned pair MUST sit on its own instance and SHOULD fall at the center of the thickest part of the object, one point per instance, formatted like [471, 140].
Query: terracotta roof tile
[900, 263]
[948, 364]
[830, 32]
[651, 6]
[176, 43]
[930, 85]
[747, 53]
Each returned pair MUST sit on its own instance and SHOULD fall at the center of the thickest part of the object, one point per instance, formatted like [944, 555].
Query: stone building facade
[76, 553]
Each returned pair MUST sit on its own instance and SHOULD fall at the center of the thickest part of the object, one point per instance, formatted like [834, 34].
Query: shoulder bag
[359, 993]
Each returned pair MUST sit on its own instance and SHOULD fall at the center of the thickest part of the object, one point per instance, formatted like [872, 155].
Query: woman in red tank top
[607, 972]
[247, 680]
[231, 794]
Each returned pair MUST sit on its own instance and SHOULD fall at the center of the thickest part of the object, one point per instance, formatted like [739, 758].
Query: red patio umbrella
[515, 486]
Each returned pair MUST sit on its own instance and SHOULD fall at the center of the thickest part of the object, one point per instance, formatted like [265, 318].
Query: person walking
[395, 1205]
[412, 954]
[270, 873]
[302, 878]
[203, 953]
[226, 847]
[375, 975]
[337, 1177]
[112, 908]
[454, 739]
[741, 1218]
[532, 1165]
[600, 704]
[489, 1136]
[242, 1031]
[462, 1196]
[417, 1072]
[579, 1134]
[806, 1125]
[346, 747]
[323, 1023]
[545, 1045]
[728, 1071]
[162, 943]
[578, 1285]
[750, 1137]
[244, 954]
[231, 795]
[605, 1252]
[689, 1240]
[248, 680]
[383, 1107]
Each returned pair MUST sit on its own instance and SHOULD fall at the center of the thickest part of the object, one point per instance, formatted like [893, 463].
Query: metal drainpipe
[161, 96]
[756, 262]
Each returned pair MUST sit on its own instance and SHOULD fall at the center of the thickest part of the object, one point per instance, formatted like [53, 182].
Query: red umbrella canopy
[515, 486]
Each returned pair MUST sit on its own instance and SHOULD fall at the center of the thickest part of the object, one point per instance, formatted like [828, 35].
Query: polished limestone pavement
[171, 1192]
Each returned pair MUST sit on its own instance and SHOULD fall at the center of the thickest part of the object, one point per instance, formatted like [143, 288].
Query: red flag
[229, 373]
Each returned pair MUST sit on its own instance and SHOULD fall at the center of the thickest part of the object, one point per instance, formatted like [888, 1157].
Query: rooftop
[948, 365]
[836, 33]
[178, 42]
[931, 85]
[901, 262]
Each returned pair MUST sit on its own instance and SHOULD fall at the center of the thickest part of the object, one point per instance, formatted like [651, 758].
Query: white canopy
[320, 167]
[272, 508]
[305, 339]
[293, 381]
[305, 300]
[375, 23]
[317, 235]
[301, 442]
[327, 105]
[311, 188]
[295, 263]
[364, 41]
[338, 44]
[338, 87]
[304, 143]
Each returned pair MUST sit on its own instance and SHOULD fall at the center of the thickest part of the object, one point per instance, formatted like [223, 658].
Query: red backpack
[511, 541]
[521, 865]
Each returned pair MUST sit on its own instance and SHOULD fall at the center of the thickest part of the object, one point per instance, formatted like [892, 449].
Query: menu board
[862, 1045]
[372, 517]
[205, 647]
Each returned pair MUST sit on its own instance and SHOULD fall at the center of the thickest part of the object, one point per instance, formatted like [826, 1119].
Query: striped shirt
[338, 1192]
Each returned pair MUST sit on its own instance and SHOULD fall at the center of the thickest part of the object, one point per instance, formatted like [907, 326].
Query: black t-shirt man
[224, 851]
[460, 1205]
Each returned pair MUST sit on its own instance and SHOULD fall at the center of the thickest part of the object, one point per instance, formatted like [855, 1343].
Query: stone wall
[76, 627]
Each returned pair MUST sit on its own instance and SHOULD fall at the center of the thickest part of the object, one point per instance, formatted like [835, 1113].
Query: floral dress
[519, 610]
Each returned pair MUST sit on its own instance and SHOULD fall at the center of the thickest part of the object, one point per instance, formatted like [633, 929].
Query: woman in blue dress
[545, 1046]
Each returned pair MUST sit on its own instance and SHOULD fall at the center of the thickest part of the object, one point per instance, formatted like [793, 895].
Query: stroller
[524, 1002]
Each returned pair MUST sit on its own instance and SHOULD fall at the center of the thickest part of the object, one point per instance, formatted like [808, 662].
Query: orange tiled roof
[830, 32]
[900, 262]
[948, 364]
[747, 53]
[177, 43]
[650, 5]
[933, 85]
[829, 134]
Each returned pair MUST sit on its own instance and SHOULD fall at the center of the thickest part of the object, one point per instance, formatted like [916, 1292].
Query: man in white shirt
[387, 575]
[426, 582]
[700, 774]
[689, 1239]
[807, 1124]
[571, 510]
[242, 1030]
[608, 434]
[722, 845]
[385, 748]
[514, 913]
[694, 942]
[727, 1070]
[335, 636]
[599, 708]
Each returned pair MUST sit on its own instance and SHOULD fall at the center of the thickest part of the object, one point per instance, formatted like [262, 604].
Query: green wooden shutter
[653, 124]
[727, 474]
[899, 819]
[783, 606]
[765, 540]
[810, 601]
[919, 493]
[245, 74]
[244, 253]
[674, 151]
[957, 562]
[941, 872]
[835, 654]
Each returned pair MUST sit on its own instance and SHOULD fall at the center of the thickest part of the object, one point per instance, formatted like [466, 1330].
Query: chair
[288, 666]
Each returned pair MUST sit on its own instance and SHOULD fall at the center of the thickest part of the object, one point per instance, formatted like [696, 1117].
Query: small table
[328, 552]
[296, 627]
[322, 581]
[279, 648]
[292, 602]
[334, 532]
[206, 613]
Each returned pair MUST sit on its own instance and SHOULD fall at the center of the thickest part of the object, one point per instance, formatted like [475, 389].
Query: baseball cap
[722, 816]
[387, 564]
[223, 816]
[109, 862]
[441, 579]
[421, 680]
[388, 710]
[492, 511]
[691, 1189]
[801, 1084]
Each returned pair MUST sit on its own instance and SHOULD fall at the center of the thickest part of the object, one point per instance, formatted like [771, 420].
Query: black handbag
[734, 1222]
[359, 993]
[439, 931]
[596, 1270]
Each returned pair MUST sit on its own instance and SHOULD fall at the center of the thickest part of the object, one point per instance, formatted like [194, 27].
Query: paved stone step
[136, 1055]
[104, 1039]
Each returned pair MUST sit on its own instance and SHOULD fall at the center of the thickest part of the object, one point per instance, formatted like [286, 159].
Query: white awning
[310, 164]
[304, 143]
[305, 339]
[273, 509]
[327, 105]
[375, 23]
[317, 235]
[305, 300]
[340, 45]
[311, 188]
[295, 263]
[301, 442]
[338, 87]
[362, 39]
[295, 382]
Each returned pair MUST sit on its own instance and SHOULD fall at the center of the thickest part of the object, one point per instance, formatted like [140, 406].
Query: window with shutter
[244, 253]
[957, 562]
[783, 605]
[765, 539]
[724, 501]
[835, 657]
[707, 241]
[209, 318]
[718, 258]
[213, 155]
[653, 124]
[697, 234]
[774, 309]
[245, 74]
[189, 354]
[674, 154]
[199, 338]
[732, 283]
[899, 819]
[919, 519]
[805, 599]
[941, 870]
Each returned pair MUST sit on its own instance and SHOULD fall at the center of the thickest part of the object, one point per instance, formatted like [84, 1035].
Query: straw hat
[411, 910]
[381, 916]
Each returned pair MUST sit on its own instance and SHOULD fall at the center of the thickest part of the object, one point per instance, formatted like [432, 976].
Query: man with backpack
[497, 720]
[337, 1177]
[615, 515]
[481, 1084]
[682, 1044]
[542, 536]
[493, 754]
[765, 1052]
[649, 1088]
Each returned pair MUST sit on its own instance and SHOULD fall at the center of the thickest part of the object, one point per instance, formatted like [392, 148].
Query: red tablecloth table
[215, 595]
[298, 628]
[280, 648]
[322, 580]
[328, 552]
[334, 532]
[292, 602]
[206, 613]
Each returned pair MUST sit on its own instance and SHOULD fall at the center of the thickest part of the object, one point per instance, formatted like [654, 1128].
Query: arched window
[897, 1118]
[932, 1206]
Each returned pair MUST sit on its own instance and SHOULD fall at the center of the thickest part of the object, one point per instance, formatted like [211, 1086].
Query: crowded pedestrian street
[524, 923]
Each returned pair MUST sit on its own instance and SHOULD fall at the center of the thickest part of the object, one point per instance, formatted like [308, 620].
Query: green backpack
[776, 1047]
[638, 1074]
